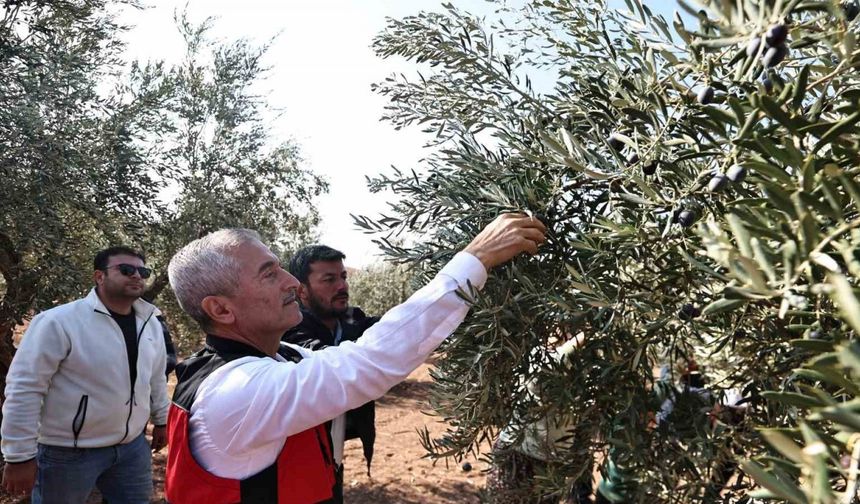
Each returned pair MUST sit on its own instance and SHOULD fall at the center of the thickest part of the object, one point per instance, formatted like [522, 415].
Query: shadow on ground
[409, 390]
[410, 494]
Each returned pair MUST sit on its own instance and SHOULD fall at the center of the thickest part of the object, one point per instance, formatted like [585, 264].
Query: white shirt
[246, 409]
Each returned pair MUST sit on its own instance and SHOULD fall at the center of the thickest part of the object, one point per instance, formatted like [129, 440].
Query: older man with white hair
[247, 423]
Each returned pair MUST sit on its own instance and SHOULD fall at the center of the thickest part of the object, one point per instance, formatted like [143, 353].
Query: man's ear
[302, 292]
[218, 309]
[98, 277]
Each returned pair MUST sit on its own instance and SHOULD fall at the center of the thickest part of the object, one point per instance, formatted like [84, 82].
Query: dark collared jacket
[312, 333]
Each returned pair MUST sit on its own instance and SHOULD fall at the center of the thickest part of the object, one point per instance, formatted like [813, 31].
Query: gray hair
[205, 267]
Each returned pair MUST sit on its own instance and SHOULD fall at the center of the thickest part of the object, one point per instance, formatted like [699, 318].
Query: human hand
[506, 237]
[18, 479]
[159, 437]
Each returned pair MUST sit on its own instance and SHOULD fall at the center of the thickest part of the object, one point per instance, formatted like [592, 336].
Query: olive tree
[698, 178]
[69, 160]
[226, 168]
[97, 151]
[380, 286]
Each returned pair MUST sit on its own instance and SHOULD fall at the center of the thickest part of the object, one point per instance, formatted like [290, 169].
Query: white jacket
[69, 382]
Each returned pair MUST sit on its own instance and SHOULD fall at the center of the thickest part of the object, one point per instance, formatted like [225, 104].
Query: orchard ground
[399, 473]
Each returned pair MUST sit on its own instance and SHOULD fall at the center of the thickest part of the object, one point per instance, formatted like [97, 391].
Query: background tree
[68, 160]
[95, 151]
[381, 286]
[225, 168]
[699, 179]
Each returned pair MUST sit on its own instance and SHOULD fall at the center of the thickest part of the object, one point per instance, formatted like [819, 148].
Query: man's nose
[291, 281]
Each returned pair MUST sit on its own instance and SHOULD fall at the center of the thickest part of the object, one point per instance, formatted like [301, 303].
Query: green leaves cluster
[68, 161]
[818, 460]
[380, 287]
[225, 168]
[96, 151]
[589, 116]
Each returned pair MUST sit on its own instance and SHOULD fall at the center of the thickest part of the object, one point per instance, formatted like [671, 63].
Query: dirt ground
[399, 473]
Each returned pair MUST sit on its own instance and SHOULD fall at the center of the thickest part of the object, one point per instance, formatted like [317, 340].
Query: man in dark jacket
[168, 345]
[328, 320]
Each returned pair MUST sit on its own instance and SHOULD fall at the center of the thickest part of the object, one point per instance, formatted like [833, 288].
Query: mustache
[290, 297]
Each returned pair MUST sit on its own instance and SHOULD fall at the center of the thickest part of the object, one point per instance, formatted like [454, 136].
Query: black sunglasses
[128, 270]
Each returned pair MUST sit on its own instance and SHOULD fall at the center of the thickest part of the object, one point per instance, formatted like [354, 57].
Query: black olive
[718, 182]
[736, 173]
[776, 35]
[851, 8]
[706, 95]
[650, 168]
[688, 312]
[687, 218]
[774, 56]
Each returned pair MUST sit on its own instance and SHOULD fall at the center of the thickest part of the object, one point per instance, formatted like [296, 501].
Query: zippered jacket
[69, 383]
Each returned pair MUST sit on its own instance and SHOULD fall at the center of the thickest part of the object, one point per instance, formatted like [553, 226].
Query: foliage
[224, 170]
[380, 287]
[62, 147]
[816, 461]
[703, 208]
[95, 151]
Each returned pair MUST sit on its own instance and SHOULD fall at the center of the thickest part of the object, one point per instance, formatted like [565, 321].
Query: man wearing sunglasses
[85, 381]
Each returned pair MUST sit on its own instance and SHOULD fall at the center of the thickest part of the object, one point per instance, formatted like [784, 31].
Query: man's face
[113, 284]
[265, 301]
[326, 294]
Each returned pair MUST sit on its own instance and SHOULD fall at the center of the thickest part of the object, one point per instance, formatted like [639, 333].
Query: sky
[322, 71]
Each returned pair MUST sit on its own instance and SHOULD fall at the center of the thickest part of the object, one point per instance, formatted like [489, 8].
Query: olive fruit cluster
[616, 144]
[735, 174]
[649, 168]
[775, 48]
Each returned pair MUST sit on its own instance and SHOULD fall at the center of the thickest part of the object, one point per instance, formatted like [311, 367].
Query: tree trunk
[158, 285]
[7, 351]
[15, 304]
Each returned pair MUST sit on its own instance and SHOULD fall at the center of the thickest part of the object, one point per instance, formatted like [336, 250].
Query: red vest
[303, 473]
